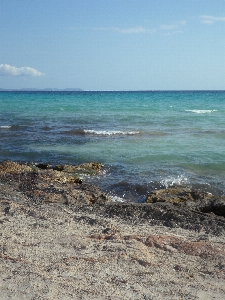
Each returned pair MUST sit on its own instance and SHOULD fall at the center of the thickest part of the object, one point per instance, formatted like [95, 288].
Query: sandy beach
[63, 239]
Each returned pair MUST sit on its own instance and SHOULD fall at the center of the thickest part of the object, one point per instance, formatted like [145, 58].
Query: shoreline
[65, 239]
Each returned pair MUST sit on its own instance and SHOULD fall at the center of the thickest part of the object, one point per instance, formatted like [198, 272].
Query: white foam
[108, 133]
[171, 181]
[5, 126]
[201, 111]
[116, 198]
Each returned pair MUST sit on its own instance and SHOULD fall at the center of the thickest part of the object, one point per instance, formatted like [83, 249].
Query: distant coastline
[42, 90]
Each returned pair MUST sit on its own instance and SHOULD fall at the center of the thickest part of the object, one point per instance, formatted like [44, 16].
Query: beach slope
[63, 239]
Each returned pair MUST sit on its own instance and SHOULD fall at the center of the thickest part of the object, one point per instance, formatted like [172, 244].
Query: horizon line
[81, 90]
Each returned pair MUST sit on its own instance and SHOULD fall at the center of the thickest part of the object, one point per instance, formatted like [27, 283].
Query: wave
[5, 127]
[12, 127]
[101, 132]
[113, 132]
[171, 181]
[125, 191]
[201, 111]
[115, 198]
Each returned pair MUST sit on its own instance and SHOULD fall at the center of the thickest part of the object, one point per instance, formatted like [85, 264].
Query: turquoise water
[146, 140]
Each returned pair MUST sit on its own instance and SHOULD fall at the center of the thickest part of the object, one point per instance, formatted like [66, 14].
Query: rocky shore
[61, 238]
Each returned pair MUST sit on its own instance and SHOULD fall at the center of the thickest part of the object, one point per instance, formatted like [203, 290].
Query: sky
[112, 44]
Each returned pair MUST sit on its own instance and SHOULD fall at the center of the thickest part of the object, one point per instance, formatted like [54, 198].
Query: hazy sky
[112, 44]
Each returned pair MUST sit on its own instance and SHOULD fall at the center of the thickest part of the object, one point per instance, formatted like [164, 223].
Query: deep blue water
[146, 140]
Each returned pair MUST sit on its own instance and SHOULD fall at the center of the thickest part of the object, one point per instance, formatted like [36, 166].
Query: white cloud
[168, 27]
[211, 19]
[131, 30]
[7, 70]
[141, 29]
[172, 26]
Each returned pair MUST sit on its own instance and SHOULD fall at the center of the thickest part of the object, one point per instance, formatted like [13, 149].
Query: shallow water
[146, 140]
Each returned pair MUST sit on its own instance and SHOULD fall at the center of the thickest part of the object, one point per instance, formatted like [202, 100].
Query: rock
[42, 183]
[175, 195]
[42, 166]
[215, 205]
[13, 167]
[93, 168]
[58, 168]
[189, 199]
[163, 214]
[62, 177]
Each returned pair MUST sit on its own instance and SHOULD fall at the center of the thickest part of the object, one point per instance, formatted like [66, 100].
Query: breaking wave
[102, 132]
[13, 127]
[114, 132]
[174, 181]
[201, 111]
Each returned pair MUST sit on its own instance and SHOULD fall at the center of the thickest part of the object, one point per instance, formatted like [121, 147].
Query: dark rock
[216, 205]
[166, 214]
[42, 166]
[43, 184]
[188, 199]
[175, 207]
[58, 168]
[175, 195]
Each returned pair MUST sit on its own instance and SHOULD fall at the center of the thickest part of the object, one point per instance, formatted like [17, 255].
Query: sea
[146, 140]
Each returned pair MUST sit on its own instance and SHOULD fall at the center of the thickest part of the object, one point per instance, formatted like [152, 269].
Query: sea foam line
[5, 126]
[201, 111]
[104, 132]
